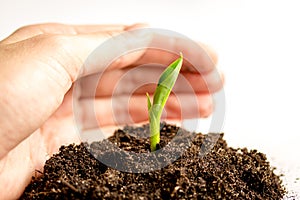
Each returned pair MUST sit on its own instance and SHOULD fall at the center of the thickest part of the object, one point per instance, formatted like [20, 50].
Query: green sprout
[161, 94]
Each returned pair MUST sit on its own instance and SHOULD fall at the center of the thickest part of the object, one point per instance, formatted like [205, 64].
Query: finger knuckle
[24, 28]
[27, 29]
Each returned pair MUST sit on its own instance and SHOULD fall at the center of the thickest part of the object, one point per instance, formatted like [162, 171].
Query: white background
[257, 42]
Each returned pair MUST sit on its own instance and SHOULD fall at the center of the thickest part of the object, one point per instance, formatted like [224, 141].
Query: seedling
[161, 94]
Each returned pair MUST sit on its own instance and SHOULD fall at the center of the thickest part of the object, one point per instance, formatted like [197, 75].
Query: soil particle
[222, 173]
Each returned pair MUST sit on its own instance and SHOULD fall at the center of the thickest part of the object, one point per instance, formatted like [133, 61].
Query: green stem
[154, 117]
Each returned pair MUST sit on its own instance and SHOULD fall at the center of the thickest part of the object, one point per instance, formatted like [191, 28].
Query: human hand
[39, 65]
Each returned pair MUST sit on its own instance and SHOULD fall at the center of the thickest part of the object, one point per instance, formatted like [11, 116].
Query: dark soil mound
[222, 173]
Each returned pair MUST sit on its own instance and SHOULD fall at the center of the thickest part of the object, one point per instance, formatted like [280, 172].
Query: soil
[222, 173]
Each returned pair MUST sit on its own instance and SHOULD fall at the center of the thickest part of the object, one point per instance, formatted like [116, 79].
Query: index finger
[165, 47]
[29, 31]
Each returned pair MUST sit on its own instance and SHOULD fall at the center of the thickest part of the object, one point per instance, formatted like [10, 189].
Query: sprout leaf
[161, 95]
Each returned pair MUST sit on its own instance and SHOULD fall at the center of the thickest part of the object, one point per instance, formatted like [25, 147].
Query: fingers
[142, 79]
[161, 49]
[124, 110]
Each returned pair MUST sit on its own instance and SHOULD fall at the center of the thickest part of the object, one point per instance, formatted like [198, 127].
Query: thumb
[36, 73]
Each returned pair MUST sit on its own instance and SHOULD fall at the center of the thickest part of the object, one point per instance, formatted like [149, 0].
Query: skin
[39, 65]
